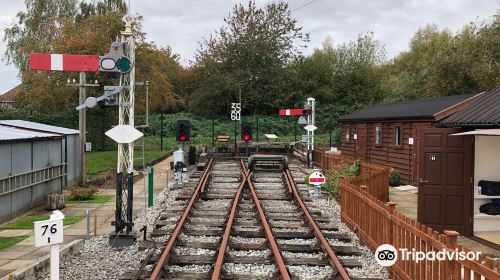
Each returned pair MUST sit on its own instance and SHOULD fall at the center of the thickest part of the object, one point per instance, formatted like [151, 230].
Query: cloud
[182, 24]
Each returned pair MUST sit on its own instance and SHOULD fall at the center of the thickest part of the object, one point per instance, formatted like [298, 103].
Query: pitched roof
[11, 94]
[415, 109]
[33, 126]
[483, 112]
[8, 133]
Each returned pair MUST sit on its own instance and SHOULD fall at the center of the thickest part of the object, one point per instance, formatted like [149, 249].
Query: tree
[160, 67]
[440, 63]
[90, 30]
[342, 78]
[251, 50]
[37, 28]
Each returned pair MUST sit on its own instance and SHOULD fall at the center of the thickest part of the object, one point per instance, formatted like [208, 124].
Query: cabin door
[445, 180]
[361, 135]
[415, 149]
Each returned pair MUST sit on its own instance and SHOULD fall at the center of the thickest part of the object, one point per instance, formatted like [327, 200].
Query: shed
[482, 121]
[387, 134]
[35, 161]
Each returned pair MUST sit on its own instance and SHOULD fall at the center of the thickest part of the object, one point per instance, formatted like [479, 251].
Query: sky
[182, 24]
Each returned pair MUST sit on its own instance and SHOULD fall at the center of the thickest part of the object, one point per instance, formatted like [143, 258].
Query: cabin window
[397, 136]
[378, 135]
[348, 135]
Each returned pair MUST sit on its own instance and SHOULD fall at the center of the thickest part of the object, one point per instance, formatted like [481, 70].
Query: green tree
[36, 29]
[440, 63]
[342, 78]
[251, 50]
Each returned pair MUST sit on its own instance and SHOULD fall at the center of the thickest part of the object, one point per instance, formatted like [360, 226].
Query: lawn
[26, 222]
[6, 242]
[95, 199]
[102, 161]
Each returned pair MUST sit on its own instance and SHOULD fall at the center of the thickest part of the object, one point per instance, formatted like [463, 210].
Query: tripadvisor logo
[387, 255]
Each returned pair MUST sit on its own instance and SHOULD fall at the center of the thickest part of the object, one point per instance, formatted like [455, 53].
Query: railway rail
[238, 224]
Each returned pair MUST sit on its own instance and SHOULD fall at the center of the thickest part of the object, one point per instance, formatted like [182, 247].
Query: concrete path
[407, 201]
[25, 252]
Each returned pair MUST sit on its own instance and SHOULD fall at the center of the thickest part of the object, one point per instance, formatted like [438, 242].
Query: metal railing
[31, 178]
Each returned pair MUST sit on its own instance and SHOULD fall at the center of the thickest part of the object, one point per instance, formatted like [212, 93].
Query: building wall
[23, 157]
[486, 158]
[403, 158]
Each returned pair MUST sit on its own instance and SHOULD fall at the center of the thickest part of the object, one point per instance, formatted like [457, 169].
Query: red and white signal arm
[316, 178]
[64, 62]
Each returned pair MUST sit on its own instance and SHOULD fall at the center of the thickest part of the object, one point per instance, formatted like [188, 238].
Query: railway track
[236, 224]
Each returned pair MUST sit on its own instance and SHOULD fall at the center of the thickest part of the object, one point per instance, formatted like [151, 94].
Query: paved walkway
[406, 198]
[25, 252]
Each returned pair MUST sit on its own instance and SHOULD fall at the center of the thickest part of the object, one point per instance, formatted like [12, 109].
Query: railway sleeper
[247, 222]
[250, 260]
[200, 232]
[207, 223]
[248, 246]
[186, 275]
[177, 259]
[198, 245]
[210, 196]
[248, 233]
[293, 234]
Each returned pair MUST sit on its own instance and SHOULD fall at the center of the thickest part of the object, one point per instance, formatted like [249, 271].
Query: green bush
[355, 168]
[394, 178]
[336, 173]
[306, 179]
[77, 193]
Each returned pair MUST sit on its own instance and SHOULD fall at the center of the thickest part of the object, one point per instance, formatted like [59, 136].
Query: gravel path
[370, 269]
[97, 260]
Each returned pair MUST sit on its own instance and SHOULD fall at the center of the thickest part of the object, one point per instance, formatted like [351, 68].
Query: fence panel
[377, 223]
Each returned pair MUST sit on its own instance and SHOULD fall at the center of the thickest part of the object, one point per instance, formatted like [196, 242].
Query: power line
[304, 5]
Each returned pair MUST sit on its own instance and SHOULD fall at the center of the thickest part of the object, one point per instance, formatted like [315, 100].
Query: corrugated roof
[39, 127]
[416, 109]
[483, 112]
[8, 133]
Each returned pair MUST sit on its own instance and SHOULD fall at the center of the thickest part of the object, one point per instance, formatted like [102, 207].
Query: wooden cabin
[481, 121]
[388, 133]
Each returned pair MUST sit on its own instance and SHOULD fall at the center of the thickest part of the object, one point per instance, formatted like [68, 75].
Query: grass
[97, 162]
[95, 199]
[26, 222]
[7, 242]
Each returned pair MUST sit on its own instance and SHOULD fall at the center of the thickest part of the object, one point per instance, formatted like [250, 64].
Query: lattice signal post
[120, 59]
[125, 164]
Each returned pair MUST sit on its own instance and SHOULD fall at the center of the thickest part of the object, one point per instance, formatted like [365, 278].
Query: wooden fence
[374, 176]
[377, 223]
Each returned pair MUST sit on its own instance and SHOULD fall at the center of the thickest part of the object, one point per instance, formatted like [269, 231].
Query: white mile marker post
[50, 232]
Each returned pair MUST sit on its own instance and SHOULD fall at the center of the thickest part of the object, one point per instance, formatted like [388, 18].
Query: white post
[54, 262]
[312, 103]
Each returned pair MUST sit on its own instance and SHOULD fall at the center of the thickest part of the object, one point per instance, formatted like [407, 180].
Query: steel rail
[158, 269]
[278, 259]
[227, 232]
[332, 257]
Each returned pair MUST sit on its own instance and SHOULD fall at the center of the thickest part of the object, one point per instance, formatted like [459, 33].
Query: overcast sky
[181, 24]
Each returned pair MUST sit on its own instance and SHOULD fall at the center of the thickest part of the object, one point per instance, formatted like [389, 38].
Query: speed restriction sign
[316, 178]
